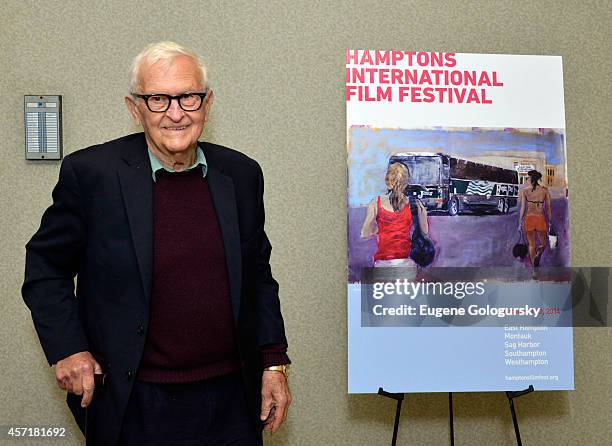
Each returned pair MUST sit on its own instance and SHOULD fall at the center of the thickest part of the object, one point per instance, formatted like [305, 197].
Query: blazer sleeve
[52, 261]
[270, 326]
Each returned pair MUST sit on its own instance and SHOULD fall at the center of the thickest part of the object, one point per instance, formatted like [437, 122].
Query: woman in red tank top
[389, 216]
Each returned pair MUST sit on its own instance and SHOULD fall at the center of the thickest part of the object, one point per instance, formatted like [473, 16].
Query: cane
[99, 381]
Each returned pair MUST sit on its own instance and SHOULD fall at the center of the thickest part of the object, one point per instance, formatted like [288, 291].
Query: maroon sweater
[191, 328]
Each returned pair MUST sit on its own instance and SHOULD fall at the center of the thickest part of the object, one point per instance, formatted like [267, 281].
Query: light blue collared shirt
[156, 164]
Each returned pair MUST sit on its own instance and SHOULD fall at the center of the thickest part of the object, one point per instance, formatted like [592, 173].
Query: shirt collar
[156, 164]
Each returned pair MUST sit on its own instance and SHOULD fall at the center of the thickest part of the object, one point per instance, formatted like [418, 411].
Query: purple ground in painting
[466, 240]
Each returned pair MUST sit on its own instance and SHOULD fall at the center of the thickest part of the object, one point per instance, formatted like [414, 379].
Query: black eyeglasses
[159, 103]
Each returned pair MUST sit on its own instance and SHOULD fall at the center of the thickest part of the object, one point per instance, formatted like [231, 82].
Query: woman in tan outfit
[532, 200]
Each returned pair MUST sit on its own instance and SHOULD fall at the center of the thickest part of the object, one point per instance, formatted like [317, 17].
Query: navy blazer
[100, 228]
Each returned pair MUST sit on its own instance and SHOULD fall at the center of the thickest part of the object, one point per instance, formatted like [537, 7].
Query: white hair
[164, 52]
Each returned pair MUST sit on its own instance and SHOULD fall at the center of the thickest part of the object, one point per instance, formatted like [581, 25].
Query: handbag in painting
[520, 249]
[422, 249]
[552, 237]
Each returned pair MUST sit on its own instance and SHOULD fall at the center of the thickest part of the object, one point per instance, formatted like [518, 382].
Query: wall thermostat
[43, 127]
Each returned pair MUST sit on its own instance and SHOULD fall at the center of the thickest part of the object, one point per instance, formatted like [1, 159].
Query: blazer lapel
[137, 189]
[224, 199]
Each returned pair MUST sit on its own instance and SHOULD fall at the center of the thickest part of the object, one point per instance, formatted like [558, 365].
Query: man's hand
[76, 375]
[274, 393]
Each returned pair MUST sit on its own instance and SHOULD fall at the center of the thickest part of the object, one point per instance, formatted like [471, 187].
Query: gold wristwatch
[284, 369]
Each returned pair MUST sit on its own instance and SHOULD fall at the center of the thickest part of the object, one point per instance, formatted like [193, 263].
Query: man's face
[174, 131]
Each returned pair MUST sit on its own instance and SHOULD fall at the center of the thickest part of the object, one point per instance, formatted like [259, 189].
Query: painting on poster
[468, 131]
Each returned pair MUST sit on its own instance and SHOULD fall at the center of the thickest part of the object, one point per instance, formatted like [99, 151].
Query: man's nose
[175, 112]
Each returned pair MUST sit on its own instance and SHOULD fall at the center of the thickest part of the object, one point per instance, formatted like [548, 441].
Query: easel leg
[515, 422]
[451, 420]
[511, 396]
[399, 397]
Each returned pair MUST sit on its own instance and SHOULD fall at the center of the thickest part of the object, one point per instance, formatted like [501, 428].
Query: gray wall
[277, 70]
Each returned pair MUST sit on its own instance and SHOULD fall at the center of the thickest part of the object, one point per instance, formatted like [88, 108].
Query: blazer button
[128, 375]
[140, 330]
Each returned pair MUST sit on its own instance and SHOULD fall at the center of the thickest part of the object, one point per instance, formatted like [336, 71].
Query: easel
[399, 397]
[511, 396]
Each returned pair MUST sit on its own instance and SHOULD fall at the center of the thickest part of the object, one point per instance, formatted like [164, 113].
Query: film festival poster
[460, 135]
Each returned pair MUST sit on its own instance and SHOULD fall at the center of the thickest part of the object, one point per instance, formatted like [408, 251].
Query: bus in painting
[455, 185]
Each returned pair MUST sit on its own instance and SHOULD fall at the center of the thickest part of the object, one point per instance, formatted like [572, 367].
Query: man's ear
[208, 104]
[131, 106]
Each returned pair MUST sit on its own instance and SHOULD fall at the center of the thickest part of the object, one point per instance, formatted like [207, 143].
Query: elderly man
[175, 309]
